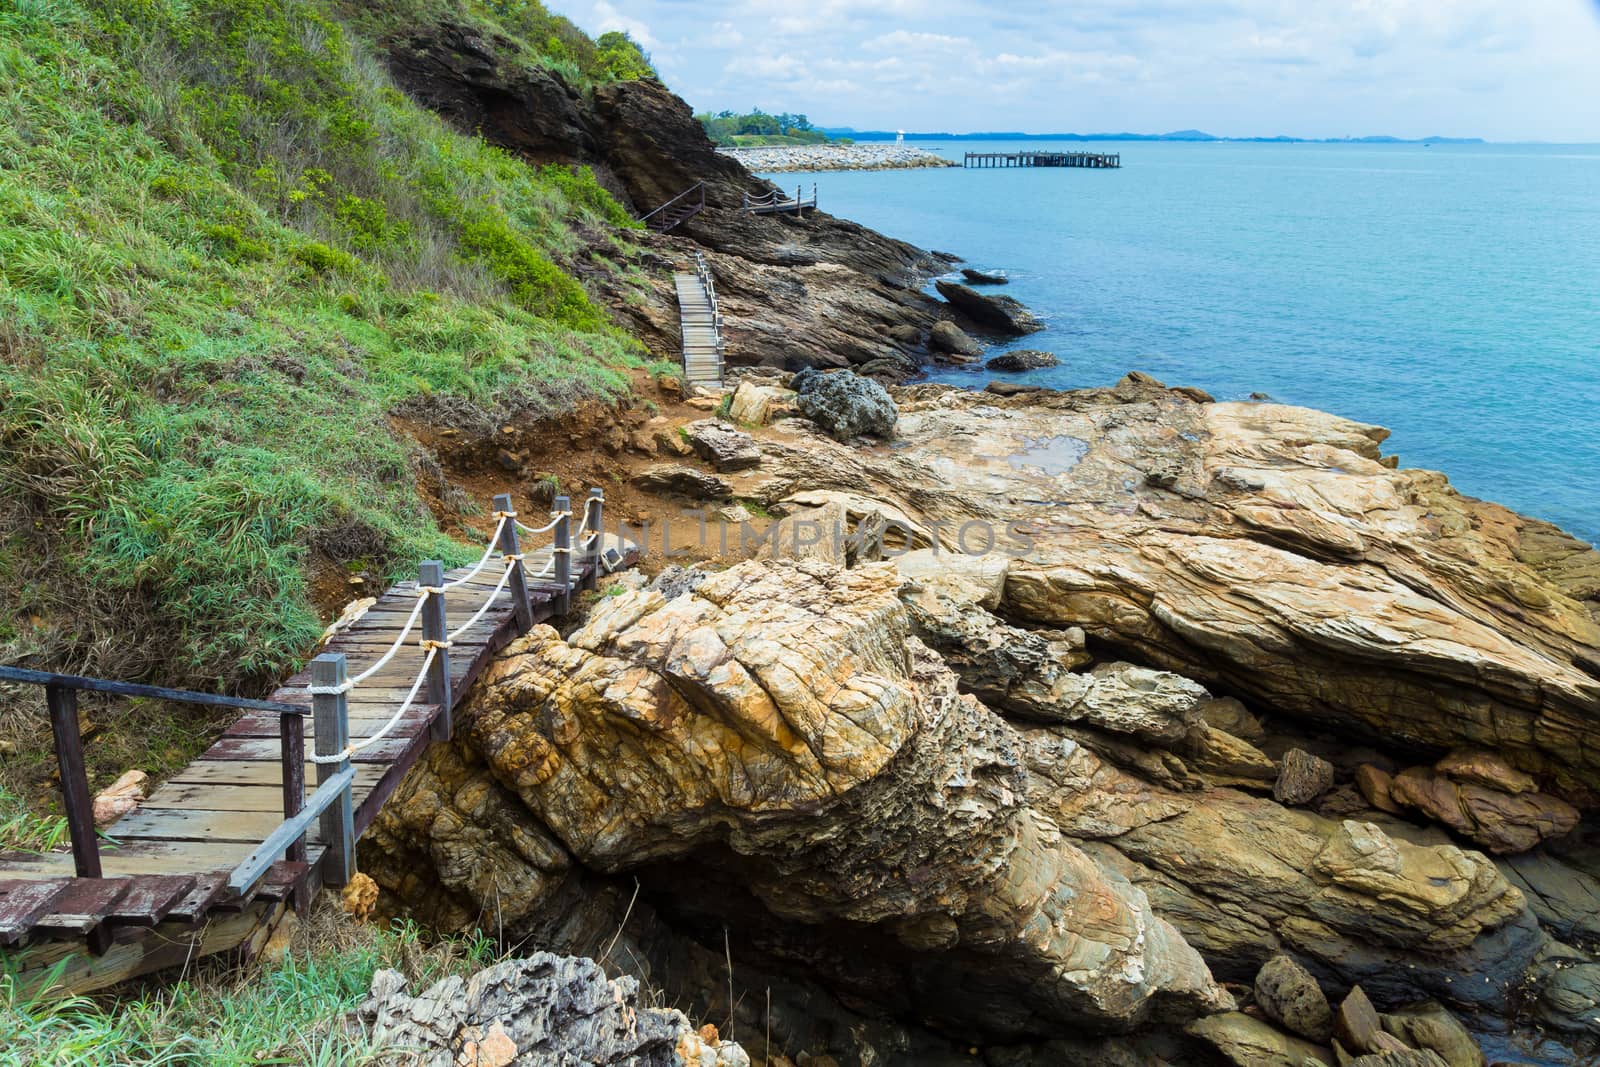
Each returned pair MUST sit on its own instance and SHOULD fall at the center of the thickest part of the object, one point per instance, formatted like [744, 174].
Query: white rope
[547, 527]
[350, 683]
[489, 601]
[488, 554]
[354, 747]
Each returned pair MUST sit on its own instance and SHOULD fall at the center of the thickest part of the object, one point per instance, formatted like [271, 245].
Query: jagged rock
[680, 480]
[1244, 879]
[1265, 552]
[1249, 1042]
[675, 580]
[1022, 359]
[1570, 1000]
[979, 277]
[782, 723]
[845, 405]
[947, 337]
[1302, 777]
[1001, 314]
[1292, 999]
[1428, 1026]
[756, 403]
[722, 446]
[1500, 822]
[542, 1011]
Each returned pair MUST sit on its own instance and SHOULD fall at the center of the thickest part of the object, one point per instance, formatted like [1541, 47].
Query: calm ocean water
[1450, 293]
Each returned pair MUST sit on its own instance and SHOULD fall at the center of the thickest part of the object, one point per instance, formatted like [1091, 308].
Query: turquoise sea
[1450, 293]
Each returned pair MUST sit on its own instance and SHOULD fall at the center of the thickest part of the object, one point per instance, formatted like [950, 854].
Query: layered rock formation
[1003, 800]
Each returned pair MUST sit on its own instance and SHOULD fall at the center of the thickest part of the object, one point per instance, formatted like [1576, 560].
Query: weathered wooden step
[22, 902]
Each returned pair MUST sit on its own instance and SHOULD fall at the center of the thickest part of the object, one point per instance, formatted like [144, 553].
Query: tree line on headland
[757, 127]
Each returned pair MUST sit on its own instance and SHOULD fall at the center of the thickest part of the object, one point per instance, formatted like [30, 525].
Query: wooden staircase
[701, 325]
[678, 210]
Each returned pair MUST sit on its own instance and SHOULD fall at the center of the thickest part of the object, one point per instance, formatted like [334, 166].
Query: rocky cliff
[1222, 687]
[853, 294]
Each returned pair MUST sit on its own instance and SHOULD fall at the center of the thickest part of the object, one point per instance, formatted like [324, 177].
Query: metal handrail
[699, 185]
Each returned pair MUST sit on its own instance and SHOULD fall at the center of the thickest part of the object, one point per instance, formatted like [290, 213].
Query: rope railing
[778, 200]
[330, 686]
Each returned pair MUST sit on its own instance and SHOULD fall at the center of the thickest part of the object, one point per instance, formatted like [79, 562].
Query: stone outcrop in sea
[1198, 758]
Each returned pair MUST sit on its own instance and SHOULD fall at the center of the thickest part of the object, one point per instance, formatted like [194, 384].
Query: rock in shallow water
[1023, 359]
[1001, 314]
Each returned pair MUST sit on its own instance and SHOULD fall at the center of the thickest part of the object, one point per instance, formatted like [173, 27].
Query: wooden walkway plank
[167, 863]
[22, 902]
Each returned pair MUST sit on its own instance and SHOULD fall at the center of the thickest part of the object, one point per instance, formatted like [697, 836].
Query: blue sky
[1501, 69]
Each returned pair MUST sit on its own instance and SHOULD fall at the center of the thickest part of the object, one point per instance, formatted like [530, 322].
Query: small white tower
[900, 137]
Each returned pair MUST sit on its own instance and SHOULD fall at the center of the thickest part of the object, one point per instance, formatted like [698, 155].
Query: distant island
[1177, 135]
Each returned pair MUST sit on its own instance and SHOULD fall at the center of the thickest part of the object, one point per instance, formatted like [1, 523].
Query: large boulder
[845, 405]
[780, 724]
[1000, 314]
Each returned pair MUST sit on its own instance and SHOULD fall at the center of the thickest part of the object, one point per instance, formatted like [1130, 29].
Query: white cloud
[1407, 67]
[607, 18]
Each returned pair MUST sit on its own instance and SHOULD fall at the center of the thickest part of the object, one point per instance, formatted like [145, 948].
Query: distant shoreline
[779, 158]
[1187, 136]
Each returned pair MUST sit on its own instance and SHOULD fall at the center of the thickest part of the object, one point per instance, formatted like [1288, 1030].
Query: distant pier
[1093, 160]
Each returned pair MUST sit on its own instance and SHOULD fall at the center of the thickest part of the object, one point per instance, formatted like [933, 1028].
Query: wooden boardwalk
[701, 325]
[163, 895]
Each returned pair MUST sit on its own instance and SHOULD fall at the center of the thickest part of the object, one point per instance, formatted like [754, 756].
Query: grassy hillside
[230, 251]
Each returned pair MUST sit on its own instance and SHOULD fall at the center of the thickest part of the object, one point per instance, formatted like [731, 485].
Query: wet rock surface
[997, 314]
[1021, 360]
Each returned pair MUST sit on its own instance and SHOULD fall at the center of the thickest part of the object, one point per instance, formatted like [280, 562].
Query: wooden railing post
[594, 525]
[331, 715]
[563, 554]
[63, 703]
[292, 744]
[518, 583]
[434, 629]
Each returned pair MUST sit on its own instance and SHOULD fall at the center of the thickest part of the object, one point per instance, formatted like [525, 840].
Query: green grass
[293, 1012]
[24, 831]
[230, 252]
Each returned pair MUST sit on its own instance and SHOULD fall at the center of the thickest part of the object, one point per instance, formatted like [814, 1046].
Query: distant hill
[1176, 135]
